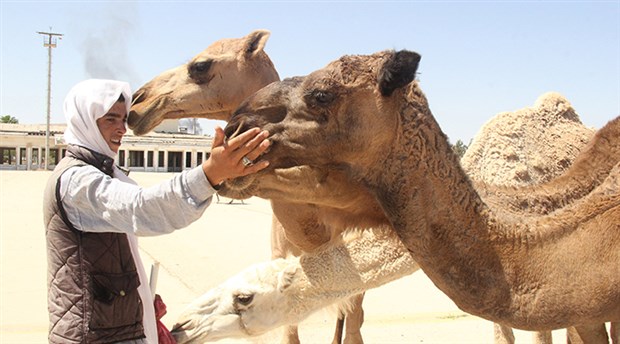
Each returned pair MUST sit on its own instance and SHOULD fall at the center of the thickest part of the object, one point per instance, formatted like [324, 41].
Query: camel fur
[150, 104]
[320, 179]
[505, 267]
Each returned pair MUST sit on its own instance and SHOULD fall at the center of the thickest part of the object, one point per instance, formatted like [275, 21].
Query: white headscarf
[85, 103]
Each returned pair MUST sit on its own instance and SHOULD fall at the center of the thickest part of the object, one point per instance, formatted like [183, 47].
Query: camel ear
[286, 277]
[255, 41]
[398, 71]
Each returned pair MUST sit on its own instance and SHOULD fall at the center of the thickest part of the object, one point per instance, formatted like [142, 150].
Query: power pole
[49, 42]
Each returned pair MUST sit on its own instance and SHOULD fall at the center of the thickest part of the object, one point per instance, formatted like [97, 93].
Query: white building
[22, 147]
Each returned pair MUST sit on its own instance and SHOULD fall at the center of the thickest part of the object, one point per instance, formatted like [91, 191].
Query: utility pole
[49, 42]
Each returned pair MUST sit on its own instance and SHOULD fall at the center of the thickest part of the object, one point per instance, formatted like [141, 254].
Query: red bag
[163, 335]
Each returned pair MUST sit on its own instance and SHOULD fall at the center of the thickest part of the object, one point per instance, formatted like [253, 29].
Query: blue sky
[479, 58]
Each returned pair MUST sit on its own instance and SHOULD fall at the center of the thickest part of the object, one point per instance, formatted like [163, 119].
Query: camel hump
[506, 150]
[555, 106]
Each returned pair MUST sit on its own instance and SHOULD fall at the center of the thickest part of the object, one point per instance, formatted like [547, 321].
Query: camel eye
[322, 97]
[201, 67]
[244, 300]
[198, 71]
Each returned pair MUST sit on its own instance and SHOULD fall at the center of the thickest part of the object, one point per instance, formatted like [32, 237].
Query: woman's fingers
[219, 138]
[256, 149]
[241, 139]
[251, 144]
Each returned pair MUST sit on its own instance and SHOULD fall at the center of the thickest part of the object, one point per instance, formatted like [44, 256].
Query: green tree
[8, 119]
[459, 148]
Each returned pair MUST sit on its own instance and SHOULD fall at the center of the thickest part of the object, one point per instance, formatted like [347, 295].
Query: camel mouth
[144, 116]
[182, 332]
[277, 183]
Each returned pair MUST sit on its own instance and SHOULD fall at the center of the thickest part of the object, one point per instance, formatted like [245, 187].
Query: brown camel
[363, 117]
[202, 320]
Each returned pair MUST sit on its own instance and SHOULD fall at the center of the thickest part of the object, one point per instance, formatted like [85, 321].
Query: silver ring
[245, 161]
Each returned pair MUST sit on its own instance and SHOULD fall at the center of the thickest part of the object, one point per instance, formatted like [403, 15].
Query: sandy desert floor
[226, 239]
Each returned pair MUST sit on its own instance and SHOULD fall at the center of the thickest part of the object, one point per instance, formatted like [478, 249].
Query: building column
[126, 162]
[166, 160]
[40, 157]
[29, 157]
[18, 157]
[156, 160]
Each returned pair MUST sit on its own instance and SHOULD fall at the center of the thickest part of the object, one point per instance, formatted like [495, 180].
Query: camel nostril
[233, 129]
[180, 326]
[132, 119]
[138, 97]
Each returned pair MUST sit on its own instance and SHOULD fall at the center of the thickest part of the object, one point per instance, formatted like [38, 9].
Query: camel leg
[354, 321]
[280, 248]
[290, 336]
[339, 328]
[351, 321]
[614, 332]
[587, 334]
[502, 334]
[542, 337]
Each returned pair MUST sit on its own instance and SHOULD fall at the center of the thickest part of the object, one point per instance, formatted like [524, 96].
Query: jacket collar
[101, 161]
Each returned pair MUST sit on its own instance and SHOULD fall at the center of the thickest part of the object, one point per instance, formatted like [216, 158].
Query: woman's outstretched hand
[237, 156]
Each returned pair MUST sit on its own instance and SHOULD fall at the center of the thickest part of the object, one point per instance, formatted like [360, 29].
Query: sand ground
[226, 239]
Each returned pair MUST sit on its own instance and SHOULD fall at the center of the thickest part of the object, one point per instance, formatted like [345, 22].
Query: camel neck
[365, 259]
[434, 208]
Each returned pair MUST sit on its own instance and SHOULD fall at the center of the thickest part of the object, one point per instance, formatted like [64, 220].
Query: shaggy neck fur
[367, 259]
[488, 262]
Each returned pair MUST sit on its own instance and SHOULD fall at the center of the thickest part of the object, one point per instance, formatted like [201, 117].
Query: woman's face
[113, 126]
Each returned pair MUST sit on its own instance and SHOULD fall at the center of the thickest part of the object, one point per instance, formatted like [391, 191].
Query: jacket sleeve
[95, 202]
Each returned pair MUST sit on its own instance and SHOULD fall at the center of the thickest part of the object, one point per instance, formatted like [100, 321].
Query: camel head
[326, 124]
[248, 304]
[211, 85]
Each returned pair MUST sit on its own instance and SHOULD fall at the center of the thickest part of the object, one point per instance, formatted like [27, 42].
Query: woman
[97, 285]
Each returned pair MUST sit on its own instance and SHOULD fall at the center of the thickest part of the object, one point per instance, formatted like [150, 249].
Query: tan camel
[511, 269]
[528, 146]
[211, 85]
